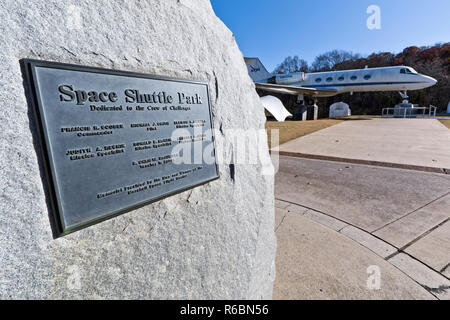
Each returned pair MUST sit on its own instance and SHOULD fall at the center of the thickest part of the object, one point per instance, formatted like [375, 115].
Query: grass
[446, 123]
[358, 117]
[289, 130]
[294, 129]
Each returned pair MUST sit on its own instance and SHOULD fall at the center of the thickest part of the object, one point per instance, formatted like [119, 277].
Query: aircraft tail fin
[256, 70]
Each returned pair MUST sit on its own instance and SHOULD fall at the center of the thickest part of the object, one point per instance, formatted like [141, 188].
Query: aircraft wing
[296, 90]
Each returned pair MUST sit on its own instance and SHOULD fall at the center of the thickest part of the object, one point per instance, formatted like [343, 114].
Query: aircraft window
[411, 70]
[367, 76]
[341, 78]
[403, 71]
[329, 79]
[319, 80]
[354, 77]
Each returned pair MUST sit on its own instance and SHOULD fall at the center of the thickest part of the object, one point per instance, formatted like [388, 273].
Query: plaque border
[29, 68]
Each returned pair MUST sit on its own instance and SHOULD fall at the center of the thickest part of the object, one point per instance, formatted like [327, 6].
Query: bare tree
[328, 60]
[291, 65]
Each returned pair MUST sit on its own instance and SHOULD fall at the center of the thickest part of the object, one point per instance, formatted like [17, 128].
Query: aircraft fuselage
[399, 78]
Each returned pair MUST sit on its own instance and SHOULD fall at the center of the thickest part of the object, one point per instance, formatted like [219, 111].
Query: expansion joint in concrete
[423, 235]
[398, 251]
[407, 214]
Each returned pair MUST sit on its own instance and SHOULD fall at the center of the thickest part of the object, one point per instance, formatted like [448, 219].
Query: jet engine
[288, 78]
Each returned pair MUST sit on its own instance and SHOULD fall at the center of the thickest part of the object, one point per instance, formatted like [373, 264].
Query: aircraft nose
[431, 81]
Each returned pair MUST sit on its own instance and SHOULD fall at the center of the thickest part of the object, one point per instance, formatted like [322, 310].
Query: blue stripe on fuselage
[331, 85]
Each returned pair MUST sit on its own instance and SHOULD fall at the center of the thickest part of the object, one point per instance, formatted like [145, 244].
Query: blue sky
[275, 29]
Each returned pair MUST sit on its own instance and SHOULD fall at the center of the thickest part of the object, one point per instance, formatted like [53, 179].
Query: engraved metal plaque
[114, 141]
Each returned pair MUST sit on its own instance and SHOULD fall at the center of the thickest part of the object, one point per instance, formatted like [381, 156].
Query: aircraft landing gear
[306, 109]
[301, 112]
[300, 109]
[404, 96]
[316, 110]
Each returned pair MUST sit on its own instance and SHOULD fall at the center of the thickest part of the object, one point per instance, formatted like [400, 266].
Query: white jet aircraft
[328, 84]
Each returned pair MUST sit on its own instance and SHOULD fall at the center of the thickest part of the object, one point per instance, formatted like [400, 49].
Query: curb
[363, 162]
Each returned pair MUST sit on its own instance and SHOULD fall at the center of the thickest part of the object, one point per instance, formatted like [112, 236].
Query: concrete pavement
[314, 262]
[369, 197]
[401, 216]
[424, 143]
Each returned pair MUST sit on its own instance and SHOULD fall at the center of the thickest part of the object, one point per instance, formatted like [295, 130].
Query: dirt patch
[446, 123]
[289, 130]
